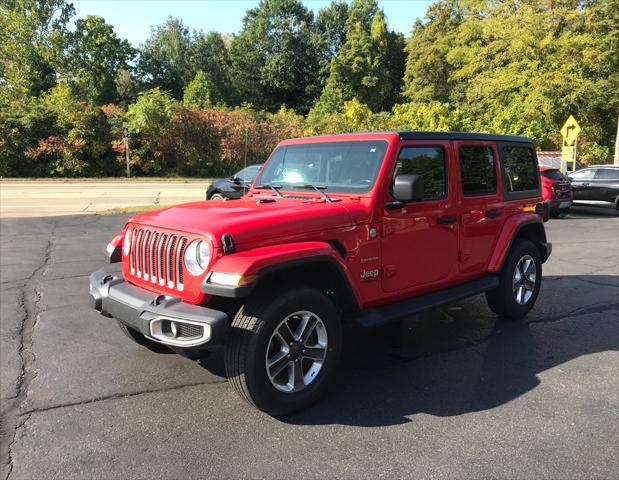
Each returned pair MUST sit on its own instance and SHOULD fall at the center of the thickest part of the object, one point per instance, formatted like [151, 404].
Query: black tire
[216, 196]
[141, 340]
[250, 335]
[502, 300]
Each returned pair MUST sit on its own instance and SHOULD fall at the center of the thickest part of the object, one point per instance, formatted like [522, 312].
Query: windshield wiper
[318, 188]
[275, 188]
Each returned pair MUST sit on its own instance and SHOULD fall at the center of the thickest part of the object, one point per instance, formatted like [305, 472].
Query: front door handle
[446, 219]
[585, 184]
[493, 213]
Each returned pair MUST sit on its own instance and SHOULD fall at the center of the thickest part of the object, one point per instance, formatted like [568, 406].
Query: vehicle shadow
[583, 211]
[462, 358]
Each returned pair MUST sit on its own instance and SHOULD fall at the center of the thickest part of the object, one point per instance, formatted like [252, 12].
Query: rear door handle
[585, 184]
[447, 219]
[493, 213]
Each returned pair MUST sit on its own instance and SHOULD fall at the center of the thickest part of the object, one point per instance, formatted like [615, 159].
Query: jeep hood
[247, 220]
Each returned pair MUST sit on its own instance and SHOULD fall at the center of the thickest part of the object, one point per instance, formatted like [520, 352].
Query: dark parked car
[596, 184]
[234, 186]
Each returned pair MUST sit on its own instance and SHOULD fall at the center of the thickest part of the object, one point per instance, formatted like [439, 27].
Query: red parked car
[369, 228]
[556, 190]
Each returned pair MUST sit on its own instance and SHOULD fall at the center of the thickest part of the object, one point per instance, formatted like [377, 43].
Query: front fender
[113, 251]
[513, 225]
[250, 265]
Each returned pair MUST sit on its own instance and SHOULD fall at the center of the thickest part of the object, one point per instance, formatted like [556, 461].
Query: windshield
[247, 174]
[346, 167]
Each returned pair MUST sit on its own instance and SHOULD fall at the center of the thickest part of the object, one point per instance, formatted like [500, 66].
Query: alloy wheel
[296, 351]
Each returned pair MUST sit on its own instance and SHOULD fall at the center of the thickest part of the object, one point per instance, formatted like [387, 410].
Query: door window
[428, 162]
[477, 170]
[607, 174]
[587, 174]
[520, 169]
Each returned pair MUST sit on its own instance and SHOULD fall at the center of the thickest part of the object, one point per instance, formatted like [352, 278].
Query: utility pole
[126, 139]
[616, 162]
[245, 160]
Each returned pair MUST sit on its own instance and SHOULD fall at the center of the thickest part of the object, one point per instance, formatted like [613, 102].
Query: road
[454, 393]
[48, 198]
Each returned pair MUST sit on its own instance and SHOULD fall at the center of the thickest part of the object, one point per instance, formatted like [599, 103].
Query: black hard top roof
[490, 137]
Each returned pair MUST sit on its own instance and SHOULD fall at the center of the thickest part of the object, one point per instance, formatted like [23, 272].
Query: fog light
[169, 329]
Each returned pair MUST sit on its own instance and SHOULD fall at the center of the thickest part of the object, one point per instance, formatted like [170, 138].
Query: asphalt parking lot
[454, 393]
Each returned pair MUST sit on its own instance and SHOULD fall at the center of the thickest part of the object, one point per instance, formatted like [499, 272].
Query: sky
[132, 19]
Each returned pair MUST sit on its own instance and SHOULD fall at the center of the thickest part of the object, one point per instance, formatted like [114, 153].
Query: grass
[132, 209]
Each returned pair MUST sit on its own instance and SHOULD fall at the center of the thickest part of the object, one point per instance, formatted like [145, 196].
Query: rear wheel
[283, 349]
[519, 282]
[217, 196]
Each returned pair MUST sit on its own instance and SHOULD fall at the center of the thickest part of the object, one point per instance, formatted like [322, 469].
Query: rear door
[420, 240]
[482, 206]
[605, 185]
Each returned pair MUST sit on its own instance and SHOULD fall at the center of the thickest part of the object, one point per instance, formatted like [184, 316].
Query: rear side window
[477, 170]
[520, 169]
[554, 175]
[607, 174]
[426, 161]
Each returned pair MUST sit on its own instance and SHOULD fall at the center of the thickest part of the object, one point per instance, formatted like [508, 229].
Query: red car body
[441, 217]
[556, 190]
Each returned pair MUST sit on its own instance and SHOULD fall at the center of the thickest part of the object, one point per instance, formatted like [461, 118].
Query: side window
[477, 170]
[426, 161]
[520, 169]
[587, 174]
[607, 174]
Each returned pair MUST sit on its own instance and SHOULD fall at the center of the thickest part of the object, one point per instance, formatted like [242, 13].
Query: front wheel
[519, 282]
[283, 349]
[217, 196]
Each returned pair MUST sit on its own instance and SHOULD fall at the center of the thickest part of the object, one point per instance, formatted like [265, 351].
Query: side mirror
[407, 188]
[235, 179]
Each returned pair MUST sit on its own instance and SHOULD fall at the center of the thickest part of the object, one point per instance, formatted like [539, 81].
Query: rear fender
[525, 225]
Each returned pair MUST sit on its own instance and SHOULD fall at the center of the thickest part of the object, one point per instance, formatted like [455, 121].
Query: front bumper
[162, 318]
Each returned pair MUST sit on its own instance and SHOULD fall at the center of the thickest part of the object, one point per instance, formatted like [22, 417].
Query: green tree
[198, 92]
[330, 28]
[165, 58]
[33, 35]
[210, 55]
[94, 58]
[274, 58]
[521, 67]
[364, 67]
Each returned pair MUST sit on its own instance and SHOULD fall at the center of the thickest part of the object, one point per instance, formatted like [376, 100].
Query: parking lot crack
[117, 396]
[29, 303]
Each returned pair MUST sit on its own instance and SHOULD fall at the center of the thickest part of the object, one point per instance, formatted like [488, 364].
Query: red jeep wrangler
[372, 227]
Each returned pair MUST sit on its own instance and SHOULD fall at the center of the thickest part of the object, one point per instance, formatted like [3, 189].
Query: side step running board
[374, 317]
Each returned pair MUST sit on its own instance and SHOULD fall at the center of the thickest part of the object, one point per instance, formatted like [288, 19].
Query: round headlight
[127, 241]
[197, 257]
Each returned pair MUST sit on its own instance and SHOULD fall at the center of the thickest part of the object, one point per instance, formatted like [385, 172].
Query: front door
[581, 183]
[420, 239]
[482, 209]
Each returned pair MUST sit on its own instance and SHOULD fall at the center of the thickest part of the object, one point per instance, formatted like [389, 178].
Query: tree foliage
[196, 101]
[274, 57]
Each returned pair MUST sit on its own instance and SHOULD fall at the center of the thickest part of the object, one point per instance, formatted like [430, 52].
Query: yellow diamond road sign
[570, 131]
